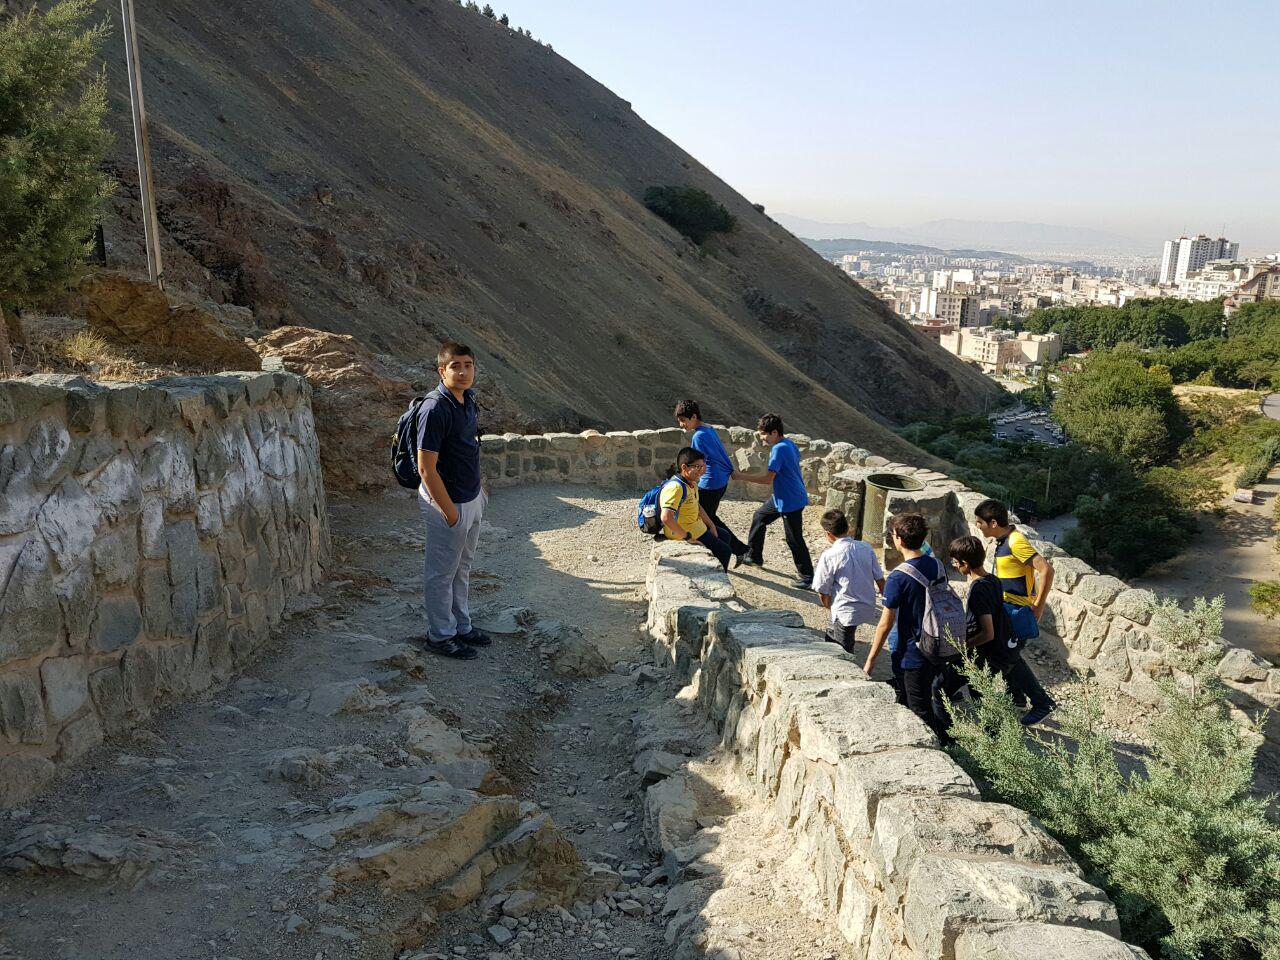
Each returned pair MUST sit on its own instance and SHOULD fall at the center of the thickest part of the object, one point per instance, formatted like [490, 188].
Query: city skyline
[856, 113]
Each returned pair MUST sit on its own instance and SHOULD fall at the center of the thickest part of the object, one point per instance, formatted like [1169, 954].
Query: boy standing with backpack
[788, 501]
[928, 615]
[715, 480]
[452, 502]
[847, 580]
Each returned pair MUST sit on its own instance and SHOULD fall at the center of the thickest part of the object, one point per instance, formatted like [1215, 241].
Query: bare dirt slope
[406, 169]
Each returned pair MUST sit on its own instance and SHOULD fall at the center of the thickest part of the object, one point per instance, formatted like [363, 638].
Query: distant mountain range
[840, 246]
[1036, 239]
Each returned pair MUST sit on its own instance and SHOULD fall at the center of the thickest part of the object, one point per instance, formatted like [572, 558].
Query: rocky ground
[351, 796]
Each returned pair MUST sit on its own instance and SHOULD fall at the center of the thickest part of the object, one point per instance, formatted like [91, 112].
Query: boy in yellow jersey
[683, 517]
[1025, 577]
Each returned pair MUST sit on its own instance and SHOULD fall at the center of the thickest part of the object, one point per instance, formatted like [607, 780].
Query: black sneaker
[1036, 714]
[450, 648]
[476, 638]
[800, 583]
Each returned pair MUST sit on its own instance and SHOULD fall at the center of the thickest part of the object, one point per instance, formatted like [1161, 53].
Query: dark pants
[917, 683]
[948, 682]
[717, 546]
[1024, 685]
[793, 528]
[847, 637]
[710, 500]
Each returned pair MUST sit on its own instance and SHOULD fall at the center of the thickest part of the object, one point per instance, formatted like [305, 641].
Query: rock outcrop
[357, 400]
[161, 327]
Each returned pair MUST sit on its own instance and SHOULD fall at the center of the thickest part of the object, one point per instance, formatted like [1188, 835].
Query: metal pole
[146, 187]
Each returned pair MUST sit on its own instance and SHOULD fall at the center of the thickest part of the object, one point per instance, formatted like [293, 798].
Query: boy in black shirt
[990, 632]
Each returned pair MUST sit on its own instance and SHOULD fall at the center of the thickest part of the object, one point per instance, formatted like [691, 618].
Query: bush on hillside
[1264, 597]
[1184, 849]
[693, 212]
[1114, 403]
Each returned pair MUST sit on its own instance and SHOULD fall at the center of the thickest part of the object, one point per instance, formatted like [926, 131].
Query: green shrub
[1183, 848]
[1264, 597]
[693, 212]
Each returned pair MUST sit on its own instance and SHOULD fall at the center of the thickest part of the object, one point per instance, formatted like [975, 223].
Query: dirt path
[210, 832]
[1230, 553]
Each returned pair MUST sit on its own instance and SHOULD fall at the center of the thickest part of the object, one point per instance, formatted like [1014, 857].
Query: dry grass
[64, 345]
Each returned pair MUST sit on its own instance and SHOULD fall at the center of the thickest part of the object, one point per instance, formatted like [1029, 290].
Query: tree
[1116, 404]
[1256, 371]
[52, 144]
[1184, 848]
[504, 20]
[488, 11]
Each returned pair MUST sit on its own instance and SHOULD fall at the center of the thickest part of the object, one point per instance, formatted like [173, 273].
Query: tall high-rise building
[1187, 254]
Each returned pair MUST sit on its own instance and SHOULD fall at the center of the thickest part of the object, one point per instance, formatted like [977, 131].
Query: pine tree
[504, 20]
[488, 11]
[1185, 850]
[52, 144]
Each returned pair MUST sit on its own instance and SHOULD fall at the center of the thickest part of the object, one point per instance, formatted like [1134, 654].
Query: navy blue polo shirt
[450, 429]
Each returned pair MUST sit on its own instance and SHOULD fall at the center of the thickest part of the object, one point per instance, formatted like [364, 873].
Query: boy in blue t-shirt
[715, 480]
[788, 501]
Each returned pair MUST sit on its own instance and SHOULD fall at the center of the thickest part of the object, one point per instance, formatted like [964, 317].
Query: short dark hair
[451, 349]
[689, 409]
[770, 423]
[992, 511]
[835, 523]
[686, 456]
[968, 550]
[912, 529]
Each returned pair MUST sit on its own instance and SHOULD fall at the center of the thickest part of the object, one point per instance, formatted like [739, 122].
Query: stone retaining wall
[150, 537]
[907, 860]
[1101, 621]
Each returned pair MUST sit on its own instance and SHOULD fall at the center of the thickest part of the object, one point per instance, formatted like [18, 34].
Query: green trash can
[879, 486]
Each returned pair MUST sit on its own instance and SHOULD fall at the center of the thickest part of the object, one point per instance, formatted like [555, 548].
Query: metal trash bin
[879, 486]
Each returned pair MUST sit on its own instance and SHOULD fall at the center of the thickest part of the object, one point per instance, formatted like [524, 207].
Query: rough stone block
[1042, 941]
[68, 521]
[30, 613]
[863, 781]
[23, 776]
[118, 623]
[79, 737]
[1100, 590]
[111, 698]
[115, 556]
[909, 829]
[843, 724]
[1243, 666]
[21, 710]
[1137, 605]
[1092, 634]
[1068, 571]
[66, 685]
[947, 896]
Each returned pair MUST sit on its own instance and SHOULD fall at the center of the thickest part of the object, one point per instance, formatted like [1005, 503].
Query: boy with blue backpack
[930, 618]
[672, 509]
[788, 501]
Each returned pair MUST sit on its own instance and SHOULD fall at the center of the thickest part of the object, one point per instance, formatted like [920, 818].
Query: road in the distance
[1271, 405]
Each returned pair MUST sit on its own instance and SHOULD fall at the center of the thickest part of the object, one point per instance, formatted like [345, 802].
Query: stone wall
[907, 860]
[1102, 622]
[150, 537]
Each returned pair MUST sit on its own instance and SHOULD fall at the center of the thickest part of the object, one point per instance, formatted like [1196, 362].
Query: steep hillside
[402, 170]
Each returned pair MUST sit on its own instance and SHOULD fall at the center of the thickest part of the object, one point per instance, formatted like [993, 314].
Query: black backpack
[404, 447]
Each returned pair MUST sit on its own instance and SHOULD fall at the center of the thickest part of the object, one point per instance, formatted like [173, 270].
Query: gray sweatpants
[446, 567]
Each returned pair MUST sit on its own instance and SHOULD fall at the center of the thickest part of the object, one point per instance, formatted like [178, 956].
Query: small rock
[501, 935]
[631, 908]
[296, 924]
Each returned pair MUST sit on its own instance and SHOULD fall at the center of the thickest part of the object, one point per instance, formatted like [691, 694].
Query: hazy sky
[1144, 119]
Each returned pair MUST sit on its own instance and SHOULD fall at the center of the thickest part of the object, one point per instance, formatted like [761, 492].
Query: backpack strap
[684, 488]
[910, 570]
